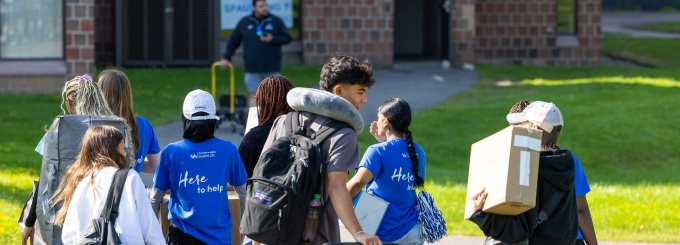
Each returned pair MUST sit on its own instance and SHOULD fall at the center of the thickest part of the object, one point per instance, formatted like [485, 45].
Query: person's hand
[224, 63]
[28, 235]
[366, 239]
[266, 37]
[374, 132]
[478, 199]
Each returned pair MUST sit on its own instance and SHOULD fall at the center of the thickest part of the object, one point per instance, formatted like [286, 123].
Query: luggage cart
[232, 108]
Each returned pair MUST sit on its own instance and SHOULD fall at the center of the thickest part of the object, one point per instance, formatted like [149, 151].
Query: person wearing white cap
[586, 230]
[554, 219]
[196, 170]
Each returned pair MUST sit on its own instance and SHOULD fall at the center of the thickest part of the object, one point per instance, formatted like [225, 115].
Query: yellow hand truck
[233, 109]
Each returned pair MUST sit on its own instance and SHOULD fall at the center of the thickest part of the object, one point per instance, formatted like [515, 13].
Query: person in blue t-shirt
[196, 171]
[586, 230]
[118, 93]
[388, 170]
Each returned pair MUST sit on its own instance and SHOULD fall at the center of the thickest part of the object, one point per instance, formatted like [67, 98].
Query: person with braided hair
[270, 99]
[392, 170]
[80, 96]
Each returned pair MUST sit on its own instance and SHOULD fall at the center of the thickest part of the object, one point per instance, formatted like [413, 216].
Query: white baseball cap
[199, 101]
[544, 114]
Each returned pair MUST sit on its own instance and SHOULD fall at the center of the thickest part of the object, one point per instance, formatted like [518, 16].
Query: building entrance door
[421, 30]
[167, 32]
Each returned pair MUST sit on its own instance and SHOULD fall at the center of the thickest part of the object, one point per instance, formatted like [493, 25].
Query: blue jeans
[412, 237]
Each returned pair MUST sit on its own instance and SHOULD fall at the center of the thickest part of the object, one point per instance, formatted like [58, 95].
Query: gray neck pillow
[326, 104]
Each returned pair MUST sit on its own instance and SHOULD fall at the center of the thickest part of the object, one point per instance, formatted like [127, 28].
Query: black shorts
[178, 237]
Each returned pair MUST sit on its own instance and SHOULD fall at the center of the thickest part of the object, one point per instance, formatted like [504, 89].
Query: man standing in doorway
[262, 35]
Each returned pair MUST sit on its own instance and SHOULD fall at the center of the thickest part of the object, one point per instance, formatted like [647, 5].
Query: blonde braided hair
[88, 99]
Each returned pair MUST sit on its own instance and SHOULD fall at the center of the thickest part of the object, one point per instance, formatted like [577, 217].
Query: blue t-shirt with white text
[393, 181]
[197, 174]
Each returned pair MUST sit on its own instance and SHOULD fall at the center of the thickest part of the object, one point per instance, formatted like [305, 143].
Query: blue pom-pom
[434, 226]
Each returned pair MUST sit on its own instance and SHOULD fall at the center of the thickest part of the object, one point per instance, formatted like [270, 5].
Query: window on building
[566, 16]
[31, 29]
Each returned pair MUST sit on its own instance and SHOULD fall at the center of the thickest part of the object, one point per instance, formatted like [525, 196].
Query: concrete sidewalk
[628, 23]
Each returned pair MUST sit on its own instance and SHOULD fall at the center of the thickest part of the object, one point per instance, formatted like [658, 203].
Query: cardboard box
[234, 210]
[506, 165]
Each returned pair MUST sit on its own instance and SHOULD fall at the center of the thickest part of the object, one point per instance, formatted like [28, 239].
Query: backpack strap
[113, 199]
[550, 206]
[293, 125]
[325, 132]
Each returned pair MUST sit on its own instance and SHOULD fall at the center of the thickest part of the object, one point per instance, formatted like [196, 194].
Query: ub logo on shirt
[203, 154]
[184, 180]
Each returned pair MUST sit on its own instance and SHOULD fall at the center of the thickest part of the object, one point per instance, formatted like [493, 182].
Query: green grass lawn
[671, 27]
[653, 51]
[619, 121]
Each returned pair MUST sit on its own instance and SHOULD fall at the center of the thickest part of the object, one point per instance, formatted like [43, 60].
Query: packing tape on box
[524, 167]
[528, 142]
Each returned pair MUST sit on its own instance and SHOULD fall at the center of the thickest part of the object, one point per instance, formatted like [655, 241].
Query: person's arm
[585, 221]
[234, 42]
[241, 193]
[343, 207]
[161, 181]
[360, 179]
[151, 163]
[505, 228]
[29, 222]
[282, 36]
[156, 200]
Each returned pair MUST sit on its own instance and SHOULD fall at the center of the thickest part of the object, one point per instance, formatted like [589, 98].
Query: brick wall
[79, 35]
[463, 32]
[359, 28]
[104, 42]
[524, 32]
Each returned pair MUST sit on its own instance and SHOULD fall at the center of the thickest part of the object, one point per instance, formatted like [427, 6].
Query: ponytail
[414, 158]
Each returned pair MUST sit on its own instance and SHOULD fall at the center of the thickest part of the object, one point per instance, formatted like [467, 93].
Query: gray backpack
[62, 145]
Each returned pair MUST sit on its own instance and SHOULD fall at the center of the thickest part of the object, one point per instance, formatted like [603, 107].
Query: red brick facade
[79, 36]
[482, 31]
[463, 32]
[524, 32]
[358, 28]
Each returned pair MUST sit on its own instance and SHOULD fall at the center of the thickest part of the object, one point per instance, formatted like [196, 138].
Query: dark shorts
[177, 237]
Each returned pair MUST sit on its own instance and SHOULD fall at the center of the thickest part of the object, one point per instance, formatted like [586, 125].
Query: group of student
[196, 169]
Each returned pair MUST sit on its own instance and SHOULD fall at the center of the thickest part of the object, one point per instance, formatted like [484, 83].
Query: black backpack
[286, 177]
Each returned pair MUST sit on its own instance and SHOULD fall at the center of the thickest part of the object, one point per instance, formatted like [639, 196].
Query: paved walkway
[628, 23]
